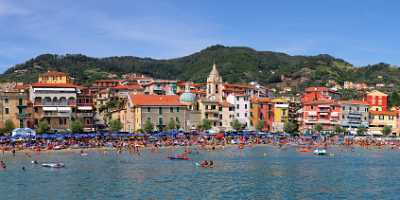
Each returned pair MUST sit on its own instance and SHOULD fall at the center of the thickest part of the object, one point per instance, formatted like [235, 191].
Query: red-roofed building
[160, 110]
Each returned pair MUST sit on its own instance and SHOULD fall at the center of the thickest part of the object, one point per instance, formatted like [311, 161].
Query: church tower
[214, 85]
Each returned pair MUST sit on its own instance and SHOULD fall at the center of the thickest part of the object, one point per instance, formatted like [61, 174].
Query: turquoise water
[252, 173]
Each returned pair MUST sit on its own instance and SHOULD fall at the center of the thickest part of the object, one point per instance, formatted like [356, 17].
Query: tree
[386, 130]
[394, 99]
[115, 125]
[43, 126]
[338, 129]
[148, 126]
[260, 125]
[236, 124]
[171, 124]
[361, 131]
[8, 126]
[206, 124]
[318, 128]
[76, 126]
[178, 123]
[290, 127]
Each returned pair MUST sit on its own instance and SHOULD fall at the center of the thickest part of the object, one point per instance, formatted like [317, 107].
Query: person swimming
[2, 165]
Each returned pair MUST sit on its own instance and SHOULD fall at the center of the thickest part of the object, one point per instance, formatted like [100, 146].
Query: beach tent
[23, 133]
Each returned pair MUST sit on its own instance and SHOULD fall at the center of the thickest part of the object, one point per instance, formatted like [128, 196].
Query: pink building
[325, 112]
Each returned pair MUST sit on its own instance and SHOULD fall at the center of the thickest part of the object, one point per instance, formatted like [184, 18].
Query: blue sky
[359, 31]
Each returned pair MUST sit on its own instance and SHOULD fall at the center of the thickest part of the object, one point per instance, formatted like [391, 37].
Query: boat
[178, 158]
[53, 165]
[319, 152]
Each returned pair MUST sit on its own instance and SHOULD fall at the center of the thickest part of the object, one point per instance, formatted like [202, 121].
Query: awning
[85, 108]
[64, 108]
[50, 108]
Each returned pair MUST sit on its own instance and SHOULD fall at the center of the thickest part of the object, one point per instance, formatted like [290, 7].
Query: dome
[187, 97]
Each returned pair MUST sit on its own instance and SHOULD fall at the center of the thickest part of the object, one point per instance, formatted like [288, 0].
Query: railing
[71, 103]
[23, 115]
[84, 114]
[57, 114]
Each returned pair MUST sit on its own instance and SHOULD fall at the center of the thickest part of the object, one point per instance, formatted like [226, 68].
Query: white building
[242, 108]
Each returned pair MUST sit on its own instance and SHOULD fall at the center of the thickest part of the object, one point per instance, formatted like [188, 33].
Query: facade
[214, 107]
[85, 109]
[242, 108]
[54, 102]
[14, 106]
[281, 114]
[161, 87]
[325, 112]
[54, 77]
[379, 119]
[262, 111]
[377, 101]
[315, 93]
[355, 114]
[159, 109]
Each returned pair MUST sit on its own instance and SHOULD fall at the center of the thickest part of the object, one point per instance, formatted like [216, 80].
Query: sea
[264, 172]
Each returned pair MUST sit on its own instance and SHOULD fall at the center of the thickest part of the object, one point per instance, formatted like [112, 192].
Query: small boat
[178, 158]
[319, 152]
[53, 165]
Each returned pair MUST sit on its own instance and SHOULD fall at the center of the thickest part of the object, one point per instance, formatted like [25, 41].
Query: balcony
[57, 114]
[211, 111]
[23, 115]
[52, 103]
[81, 115]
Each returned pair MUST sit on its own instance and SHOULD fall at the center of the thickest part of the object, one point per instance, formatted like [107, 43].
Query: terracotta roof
[318, 102]
[53, 73]
[354, 102]
[54, 85]
[128, 87]
[242, 86]
[374, 112]
[316, 89]
[225, 104]
[155, 100]
[110, 80]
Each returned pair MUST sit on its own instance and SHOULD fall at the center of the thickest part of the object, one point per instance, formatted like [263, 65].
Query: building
[355, 86]
[355, 114]
[214, 107]
[188, 98]
[159, 109]
[377, 101]
[85, 109]
[241, 102]
[53, 101]
[324, 112]
[161, 87]
[315, 93]
[379, 119]
[281, 114]
[15, 106]
[261, 110]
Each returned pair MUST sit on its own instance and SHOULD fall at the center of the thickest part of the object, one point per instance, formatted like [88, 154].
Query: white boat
[53, 165]
[319, 151]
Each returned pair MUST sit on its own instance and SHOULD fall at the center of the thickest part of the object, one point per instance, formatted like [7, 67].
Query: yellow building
[54, 77]
[379, 119]
[281, 113]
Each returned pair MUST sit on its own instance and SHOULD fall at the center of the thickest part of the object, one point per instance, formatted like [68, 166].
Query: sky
[360, 31]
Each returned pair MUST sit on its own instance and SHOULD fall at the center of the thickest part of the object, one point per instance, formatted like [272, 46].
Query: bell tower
[214, 85]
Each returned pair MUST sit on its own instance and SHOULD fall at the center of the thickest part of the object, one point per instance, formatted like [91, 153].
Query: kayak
[178, 158]
[53, 165]
[319, 152]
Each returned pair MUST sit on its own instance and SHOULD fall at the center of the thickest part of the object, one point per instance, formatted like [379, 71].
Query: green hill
[236, 64]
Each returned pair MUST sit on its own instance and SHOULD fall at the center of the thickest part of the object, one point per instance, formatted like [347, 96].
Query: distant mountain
[236, 64]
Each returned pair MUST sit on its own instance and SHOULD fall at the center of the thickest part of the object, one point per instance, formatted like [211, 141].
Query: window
[160, 121]
[206, 107]
[216, 89]
[350, 108]
[245, 114]
[213, 107]
[237, 114]
[237, 98]
[391, 117]
[6, 110]
[381, 117]
[171, 109]
[237, 106]
[358, 108]
[148, 109]
[177, 109]
[6, 100]
[20, 101]
[220, 124]
[312, 107]
[245, 106]
[177, 120]
[220, 108]
[220, 116]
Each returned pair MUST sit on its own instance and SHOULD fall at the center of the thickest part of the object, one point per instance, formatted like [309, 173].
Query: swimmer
[23, 168]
